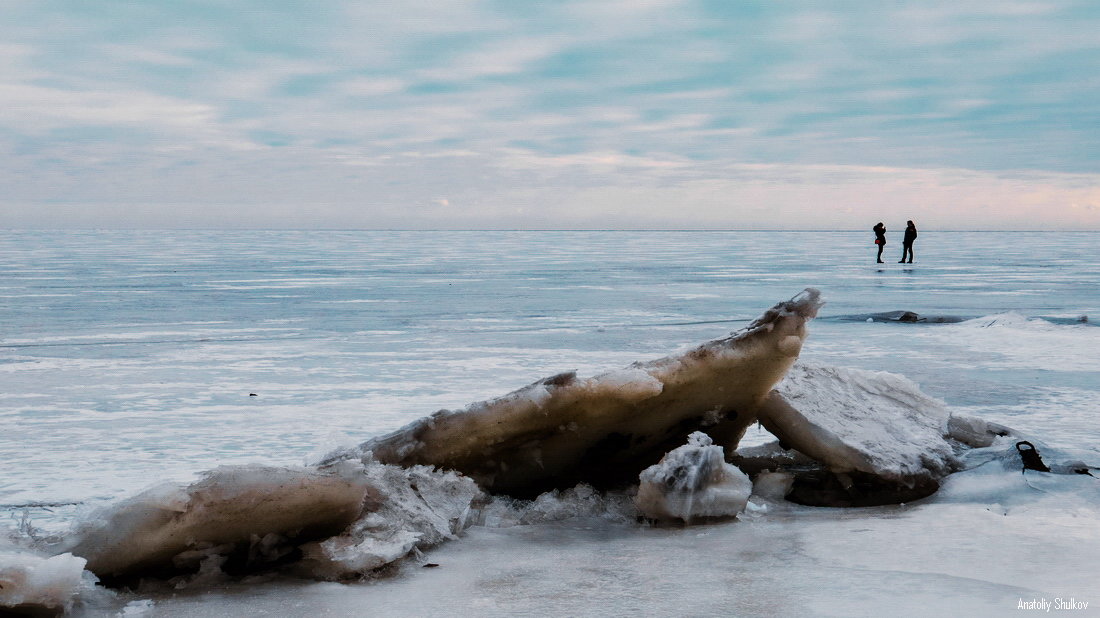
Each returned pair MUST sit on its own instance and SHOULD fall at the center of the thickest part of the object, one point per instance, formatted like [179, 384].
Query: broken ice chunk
[851, 420]
[38, 585]
[691, 481]
[229, 506]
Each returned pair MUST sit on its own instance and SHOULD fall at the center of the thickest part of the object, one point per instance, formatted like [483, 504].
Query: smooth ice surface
[128, 358]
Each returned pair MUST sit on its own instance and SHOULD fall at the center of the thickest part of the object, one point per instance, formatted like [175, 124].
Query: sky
[471, 114]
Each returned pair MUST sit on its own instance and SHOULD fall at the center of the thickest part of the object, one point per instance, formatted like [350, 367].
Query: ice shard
[692, 481]
[34, 585]
[605, 429]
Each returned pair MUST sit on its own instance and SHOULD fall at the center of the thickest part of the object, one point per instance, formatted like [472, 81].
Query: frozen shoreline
[989, 539]
[925, 559]
[852, 422]
[147, 375]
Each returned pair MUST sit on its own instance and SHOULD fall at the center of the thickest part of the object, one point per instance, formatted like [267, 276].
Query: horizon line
[401, 229]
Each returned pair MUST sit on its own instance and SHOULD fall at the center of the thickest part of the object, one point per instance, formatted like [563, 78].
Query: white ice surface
[874, 422]
[558, 505]
[100, 421]
[1015, 341]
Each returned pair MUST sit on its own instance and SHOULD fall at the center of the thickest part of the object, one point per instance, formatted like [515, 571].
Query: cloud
[493, 59]
[36, 109]
[545, 106]
[517, 189]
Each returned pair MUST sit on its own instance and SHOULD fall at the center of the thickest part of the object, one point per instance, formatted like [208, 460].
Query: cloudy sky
[975, 114]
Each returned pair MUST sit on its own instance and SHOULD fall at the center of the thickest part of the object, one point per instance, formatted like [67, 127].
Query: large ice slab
[164, 528]
[855, 420]
[345, 521]
[605, 429]
[878, 438]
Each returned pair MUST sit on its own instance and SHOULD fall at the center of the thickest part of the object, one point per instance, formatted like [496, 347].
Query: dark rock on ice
[904, 317]
[1030, 457]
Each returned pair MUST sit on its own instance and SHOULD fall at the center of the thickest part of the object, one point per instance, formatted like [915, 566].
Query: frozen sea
[129, 358]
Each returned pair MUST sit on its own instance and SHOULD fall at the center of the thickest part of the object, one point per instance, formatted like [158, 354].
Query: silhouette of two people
[906, 242]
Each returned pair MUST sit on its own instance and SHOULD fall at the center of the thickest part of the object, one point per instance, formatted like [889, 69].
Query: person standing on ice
[880, 239]
[907, 242]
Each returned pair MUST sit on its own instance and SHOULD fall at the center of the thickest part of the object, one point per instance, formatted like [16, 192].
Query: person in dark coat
[880, 239]
[907, 242]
